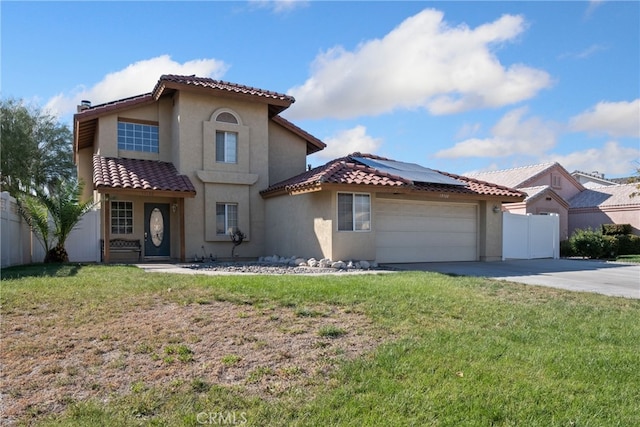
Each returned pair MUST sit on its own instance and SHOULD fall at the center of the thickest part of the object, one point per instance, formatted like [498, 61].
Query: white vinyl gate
[530, 236]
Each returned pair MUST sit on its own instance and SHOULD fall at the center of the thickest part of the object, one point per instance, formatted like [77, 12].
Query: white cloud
[585, 53]
[612, 159]
[616, 119]
[513, 134]
[279, 6]
[137, 78]
[422, 63]
[347, 142]
[468, 129]
[593, 5]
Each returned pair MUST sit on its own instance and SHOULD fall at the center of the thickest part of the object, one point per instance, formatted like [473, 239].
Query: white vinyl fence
[530, 236]
[19, 246]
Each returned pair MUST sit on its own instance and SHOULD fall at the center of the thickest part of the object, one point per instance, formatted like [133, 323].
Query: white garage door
[408, 231]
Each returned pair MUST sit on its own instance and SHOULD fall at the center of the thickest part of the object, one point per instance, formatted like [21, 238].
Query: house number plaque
[156, 226]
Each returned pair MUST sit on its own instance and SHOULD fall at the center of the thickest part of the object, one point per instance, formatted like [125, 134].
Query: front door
[156, 230]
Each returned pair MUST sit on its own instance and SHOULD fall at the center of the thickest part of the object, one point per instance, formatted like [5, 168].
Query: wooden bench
[123, 246]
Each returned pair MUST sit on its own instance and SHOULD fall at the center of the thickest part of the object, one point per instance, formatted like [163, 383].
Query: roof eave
[103, 189]
[276, 105]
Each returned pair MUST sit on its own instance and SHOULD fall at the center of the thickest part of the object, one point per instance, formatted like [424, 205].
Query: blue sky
[455, 86]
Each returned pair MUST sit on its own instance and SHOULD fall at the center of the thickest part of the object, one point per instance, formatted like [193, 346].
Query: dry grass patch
[51, 359]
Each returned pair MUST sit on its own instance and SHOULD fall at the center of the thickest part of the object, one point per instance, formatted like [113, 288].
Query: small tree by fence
[18, 245]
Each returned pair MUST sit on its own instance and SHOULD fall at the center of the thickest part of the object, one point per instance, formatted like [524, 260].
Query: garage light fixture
[496, 209]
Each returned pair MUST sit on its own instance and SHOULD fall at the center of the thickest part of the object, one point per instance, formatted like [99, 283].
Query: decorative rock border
[313, 262]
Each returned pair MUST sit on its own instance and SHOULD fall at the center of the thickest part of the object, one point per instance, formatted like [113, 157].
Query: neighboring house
[581, 200]
[593, 179]
[609, 204]
[367, 207]
[548, 187]
[182, 166]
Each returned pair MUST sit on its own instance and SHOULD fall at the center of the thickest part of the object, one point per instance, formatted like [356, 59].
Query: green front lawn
[444, 351]
[628, 258]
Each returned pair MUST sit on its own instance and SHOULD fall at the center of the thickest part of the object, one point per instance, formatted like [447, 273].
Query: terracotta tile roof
[119, 104]
[133, 174]
[86, 121]
[606, 196]
[172, 81]
[347, 171]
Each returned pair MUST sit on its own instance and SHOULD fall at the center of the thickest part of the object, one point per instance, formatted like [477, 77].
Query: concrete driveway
[607, 278]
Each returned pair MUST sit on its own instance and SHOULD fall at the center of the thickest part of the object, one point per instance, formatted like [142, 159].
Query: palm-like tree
[63, 206]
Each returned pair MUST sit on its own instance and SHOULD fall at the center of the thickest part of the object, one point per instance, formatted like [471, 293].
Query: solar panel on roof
[410, 171]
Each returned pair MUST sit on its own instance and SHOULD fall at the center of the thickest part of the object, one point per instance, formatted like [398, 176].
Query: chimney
[84, 105]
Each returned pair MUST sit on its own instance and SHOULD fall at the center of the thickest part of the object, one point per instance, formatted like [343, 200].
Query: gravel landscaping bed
[271, 268]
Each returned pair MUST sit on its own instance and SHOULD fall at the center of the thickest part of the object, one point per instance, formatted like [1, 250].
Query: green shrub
[588, 243]
[628, 244]
[616, 229]
[609, 247]
[594, 244]
[565, 249]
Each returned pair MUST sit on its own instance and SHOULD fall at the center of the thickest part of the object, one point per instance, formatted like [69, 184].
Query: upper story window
[354, 212]
[137, 136]
[556, 181]
[226, 147]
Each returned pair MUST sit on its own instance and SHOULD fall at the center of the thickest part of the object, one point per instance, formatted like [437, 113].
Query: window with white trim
[226, 218]
[226, 147]
[354, 212]
[121, 217]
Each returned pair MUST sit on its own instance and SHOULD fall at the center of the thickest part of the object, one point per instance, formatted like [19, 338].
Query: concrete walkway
[607, 278]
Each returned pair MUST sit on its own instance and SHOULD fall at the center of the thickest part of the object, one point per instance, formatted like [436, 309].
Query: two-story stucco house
[178, 167]
[182, 166]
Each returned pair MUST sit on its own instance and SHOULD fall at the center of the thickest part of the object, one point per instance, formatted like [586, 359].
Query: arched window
[226, 117]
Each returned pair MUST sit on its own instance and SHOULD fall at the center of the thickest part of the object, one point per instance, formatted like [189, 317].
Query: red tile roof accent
[119, 104]
[135, 174]
[85, 121]
[347, 171]
[209, 83]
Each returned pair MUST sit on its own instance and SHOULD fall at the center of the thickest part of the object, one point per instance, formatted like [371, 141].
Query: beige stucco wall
[84, 167]
[304, 225]
[287, 154]
[489, 232]
[226, 183]
[299, 225]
